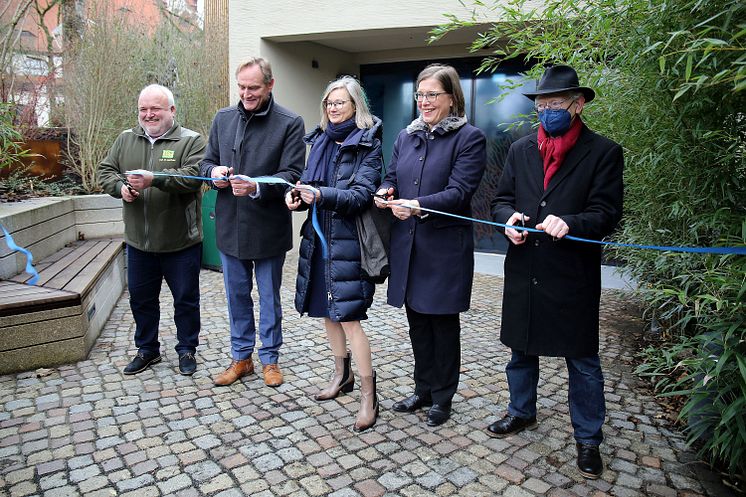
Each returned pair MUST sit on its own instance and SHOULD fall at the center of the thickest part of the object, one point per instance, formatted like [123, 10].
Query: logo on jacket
[167, 154]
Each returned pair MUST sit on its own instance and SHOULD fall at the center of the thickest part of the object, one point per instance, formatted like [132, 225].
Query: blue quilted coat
[357, 175]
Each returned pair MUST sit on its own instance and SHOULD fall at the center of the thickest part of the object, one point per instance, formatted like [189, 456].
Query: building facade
[31, 72]
[385, 44]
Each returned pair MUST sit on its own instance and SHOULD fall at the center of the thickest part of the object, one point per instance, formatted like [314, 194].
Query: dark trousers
[145, 274]
[585, 395]
[436, 343]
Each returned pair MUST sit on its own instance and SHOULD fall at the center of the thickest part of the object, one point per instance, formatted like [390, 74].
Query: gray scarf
[448, 123]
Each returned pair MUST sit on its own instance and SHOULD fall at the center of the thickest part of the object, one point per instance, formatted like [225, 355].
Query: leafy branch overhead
[699, 44]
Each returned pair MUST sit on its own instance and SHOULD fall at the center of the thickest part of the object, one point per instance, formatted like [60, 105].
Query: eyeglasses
[554, 104]
[336, 104]
[430, 96]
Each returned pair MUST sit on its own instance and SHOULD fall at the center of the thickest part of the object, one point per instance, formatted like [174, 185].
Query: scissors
[123, 177]
[523, 224]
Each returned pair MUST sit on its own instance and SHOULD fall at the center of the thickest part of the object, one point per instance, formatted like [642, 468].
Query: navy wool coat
[264, 143]
[432, 259]
[357, 173]
[552, 288]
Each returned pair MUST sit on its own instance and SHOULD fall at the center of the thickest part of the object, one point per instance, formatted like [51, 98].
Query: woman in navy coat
[344, 167]
[437, 163]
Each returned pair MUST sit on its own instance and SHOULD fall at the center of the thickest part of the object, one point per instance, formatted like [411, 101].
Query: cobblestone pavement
[85, 429]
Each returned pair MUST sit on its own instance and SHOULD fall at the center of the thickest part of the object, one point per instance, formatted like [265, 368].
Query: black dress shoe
[438, 414]
[510, 425]
[411, 403]
[141, 362]
[187, 364]
[590, 464]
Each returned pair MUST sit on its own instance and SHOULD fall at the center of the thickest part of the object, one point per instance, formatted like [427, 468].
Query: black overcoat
[264, 143]
[552, 288]
[357, 174]
[432, 259]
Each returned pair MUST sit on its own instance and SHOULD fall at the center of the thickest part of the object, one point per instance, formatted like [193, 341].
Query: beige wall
[290, 17]
[292, 34]
[298, 86]
[295, 17]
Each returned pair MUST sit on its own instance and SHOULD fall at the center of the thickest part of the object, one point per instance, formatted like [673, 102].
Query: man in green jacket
[162, 223]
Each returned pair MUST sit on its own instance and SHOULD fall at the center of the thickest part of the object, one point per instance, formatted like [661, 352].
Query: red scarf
[553, 149]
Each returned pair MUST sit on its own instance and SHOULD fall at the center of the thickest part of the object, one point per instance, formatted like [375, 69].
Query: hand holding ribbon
[140, 179]
[554, 226]
[242, 185]
[308, 194]
[404, 209]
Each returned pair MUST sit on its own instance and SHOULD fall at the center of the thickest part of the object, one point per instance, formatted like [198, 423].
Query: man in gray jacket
[162, 223]
[256, 137]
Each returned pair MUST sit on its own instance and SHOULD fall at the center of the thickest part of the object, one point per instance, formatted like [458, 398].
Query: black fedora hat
[557, 79]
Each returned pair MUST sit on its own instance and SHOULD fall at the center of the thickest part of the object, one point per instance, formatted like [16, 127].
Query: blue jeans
[586, 393]
[145, 274]
[237, 275]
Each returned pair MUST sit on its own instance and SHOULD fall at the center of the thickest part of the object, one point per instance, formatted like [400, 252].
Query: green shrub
[671, 85]
[21, 184]
[709, 365]
[11, 151]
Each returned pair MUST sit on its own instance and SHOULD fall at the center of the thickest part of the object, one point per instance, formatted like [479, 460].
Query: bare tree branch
[9, 36]
[51, 80]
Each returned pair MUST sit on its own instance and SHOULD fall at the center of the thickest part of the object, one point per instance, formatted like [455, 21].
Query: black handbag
[374, 234]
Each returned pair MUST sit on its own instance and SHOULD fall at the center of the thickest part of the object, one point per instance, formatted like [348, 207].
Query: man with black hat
[564, 179]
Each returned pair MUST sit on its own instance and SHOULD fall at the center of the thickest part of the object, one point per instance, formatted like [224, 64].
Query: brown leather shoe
[237, 369]
[272, 375]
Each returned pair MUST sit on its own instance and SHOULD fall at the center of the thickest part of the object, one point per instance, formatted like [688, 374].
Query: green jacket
[166, 217]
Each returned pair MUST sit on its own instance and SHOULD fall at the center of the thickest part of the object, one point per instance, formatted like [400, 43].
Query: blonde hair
[448, 78]
[263, 64]
[363, 117]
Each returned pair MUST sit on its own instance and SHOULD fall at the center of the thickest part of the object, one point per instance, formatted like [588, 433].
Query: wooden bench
[57, 320]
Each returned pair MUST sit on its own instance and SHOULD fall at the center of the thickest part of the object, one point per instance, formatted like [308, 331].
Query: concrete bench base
[58, 320]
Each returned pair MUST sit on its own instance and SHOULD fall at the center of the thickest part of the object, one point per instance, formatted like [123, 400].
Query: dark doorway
[390, 88]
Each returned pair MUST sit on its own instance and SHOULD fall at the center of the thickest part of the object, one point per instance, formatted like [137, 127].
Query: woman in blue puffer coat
[344, 167]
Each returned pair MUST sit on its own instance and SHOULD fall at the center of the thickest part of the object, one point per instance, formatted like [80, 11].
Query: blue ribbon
[270, 180]
[314, 214]
[29, 257]
[698, 250]
[172, 175]
[319, 231]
